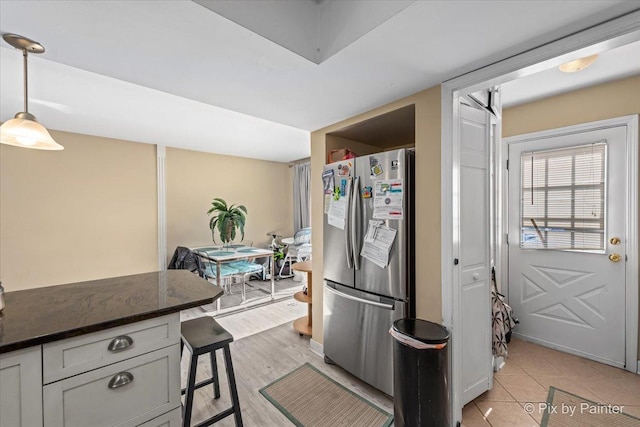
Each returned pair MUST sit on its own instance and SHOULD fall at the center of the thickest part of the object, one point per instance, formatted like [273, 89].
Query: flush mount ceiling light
[24, 130]
[578, 64]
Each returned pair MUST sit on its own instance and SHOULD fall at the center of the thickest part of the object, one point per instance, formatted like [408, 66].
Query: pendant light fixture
[24, 130]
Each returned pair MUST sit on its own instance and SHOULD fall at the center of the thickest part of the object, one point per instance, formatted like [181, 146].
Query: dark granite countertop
[38, 316]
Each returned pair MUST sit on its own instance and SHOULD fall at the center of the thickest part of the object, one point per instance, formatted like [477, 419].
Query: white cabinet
[21, 388]
[126, 393]
[124, 376]
[73, 356]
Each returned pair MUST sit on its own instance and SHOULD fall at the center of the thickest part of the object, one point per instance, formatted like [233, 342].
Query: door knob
[615, 257]
[614, 240]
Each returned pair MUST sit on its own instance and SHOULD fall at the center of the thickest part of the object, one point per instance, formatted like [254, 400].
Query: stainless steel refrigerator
[366, 199]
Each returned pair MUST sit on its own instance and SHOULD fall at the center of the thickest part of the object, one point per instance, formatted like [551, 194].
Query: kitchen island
[103, 352]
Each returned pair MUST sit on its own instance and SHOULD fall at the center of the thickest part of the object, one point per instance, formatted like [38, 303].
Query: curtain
[301, 196]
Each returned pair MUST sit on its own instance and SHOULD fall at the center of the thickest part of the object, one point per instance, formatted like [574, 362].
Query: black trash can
[420, 374]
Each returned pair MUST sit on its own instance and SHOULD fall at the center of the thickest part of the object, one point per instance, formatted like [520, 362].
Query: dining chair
[301, 242]
[245, 268]
[208, 269]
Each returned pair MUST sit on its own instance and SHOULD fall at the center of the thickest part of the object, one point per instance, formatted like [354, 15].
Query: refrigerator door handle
[363, 301]
[355, 222]
[347, 225]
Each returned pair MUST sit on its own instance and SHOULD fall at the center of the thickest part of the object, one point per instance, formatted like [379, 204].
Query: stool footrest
[216, 418]
[200, 384]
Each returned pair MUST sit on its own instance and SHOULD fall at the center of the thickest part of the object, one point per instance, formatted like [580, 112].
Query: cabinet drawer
[172, 419]
[73, 356]
[151, 387]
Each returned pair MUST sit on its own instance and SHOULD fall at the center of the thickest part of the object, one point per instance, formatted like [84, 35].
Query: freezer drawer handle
[364, 301]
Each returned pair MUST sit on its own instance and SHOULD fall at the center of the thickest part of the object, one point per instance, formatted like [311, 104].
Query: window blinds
[563, 198]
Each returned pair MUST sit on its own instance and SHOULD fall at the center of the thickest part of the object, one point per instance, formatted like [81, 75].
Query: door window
[563, 198]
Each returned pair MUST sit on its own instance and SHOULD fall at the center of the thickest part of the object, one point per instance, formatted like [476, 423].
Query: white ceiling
[613, 64]
[177, 74]
[313, 30]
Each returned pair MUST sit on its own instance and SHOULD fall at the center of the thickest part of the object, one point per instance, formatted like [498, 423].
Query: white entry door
[566, 241]
[475, 259]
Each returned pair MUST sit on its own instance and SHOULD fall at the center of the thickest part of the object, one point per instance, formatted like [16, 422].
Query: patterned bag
[502, 320]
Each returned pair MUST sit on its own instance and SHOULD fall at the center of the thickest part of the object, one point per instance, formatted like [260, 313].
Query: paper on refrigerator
[388, 195]
[377, 243]
[337, 212]
[327, 202]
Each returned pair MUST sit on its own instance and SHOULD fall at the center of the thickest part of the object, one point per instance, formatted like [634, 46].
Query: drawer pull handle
[120, 343]
[120, 380]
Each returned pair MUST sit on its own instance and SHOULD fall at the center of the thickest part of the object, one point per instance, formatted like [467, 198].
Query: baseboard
[638, 371]
[316, 347]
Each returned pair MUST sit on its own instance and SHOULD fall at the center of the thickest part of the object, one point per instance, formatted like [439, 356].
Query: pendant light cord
[26, 94]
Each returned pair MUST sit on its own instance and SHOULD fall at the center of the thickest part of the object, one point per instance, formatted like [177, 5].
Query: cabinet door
[21, 388]
[124, 394]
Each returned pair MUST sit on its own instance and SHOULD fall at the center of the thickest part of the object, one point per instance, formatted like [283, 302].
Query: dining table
[235, 252]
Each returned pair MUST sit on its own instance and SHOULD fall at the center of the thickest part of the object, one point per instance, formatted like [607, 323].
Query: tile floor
[530, 371]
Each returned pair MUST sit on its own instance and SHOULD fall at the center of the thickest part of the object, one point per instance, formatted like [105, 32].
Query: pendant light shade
[24, 130]
[28, 134]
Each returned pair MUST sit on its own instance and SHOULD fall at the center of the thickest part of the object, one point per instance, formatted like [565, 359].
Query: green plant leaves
[227, 219]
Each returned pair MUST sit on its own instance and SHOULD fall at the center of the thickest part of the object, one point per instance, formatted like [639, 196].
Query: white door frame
[631, 217]
[608, 35]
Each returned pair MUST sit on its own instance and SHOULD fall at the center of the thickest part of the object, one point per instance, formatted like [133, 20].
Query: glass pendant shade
[24, 130]
[27, 133]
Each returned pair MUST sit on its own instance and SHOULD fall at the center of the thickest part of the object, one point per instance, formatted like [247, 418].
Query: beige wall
[90, 211]
[604, 101]
[427, 144]
[84, 213]
[194, 179]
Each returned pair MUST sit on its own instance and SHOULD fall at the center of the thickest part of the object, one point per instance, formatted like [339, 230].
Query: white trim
[638, 371]
[316, 347]
[450, 271]
[608, 35]
[501, 211]
[161, 157]
[632, 242]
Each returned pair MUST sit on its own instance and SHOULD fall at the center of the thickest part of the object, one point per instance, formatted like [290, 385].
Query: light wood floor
[258, 360]
[267, 348]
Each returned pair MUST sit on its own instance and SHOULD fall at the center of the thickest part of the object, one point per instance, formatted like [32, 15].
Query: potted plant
[227, 219]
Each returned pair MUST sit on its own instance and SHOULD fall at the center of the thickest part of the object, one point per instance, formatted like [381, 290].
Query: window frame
[572, 187]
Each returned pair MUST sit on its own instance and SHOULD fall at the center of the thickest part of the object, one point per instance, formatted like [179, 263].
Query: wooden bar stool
[204, 335]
